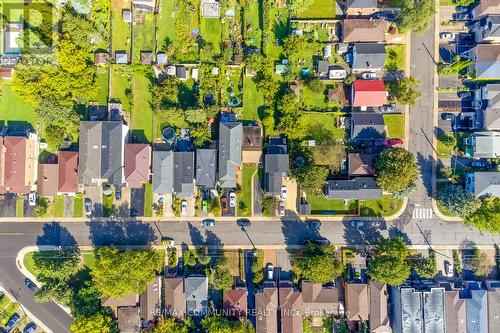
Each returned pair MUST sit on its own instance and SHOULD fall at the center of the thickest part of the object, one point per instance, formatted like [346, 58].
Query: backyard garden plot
[252, 24]
[12, 107]
[100, 16]
[318, 100]
[121, 88]
[166, 24]
[121, 30]
[211, 30]
[322, 124]
[144, 35]
[142, 112]
[232, 90]
[253, 101]
[178, 30]
[274, 30]
[318, 9]
[102, 83]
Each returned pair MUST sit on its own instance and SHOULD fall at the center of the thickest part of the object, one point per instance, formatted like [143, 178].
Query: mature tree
[316, 86]
[405, 192]
[416, 14]
[424, 267]
[457, 200]
[404, 91]
[295, 6]
[86, 301]
[294, 46]
[318, 264]
[189, 257]
[481, 265]
[289, 116]
[202, 255]
[464, 3]
[170, 325]
[388, 263]
[265, 79]
[223, 280]
[487, 217]
[165, 94]
[396, 169]
[119, 273]
[219, 324]
[330, 154]
[258, 267]
[41, 208]
[201, 134]
[311, 178]
[54, 290]
[97, 323]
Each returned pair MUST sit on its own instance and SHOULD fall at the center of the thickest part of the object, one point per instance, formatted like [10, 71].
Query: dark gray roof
[369, 56]
[101, 151]
[183, 173]
[163, 164]
[367, 126]
[276, 167]
[206, 167]
[361, 188]
[230, 145]
[322, 66]
[196, 291]
[487, 184]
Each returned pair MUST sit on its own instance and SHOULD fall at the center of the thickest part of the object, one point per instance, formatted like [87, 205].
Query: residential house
[18, 163]
[356, 298]
[361, 164]
[368, 57]
[174, 299]
[266, 306]
[163, 164]
[101, 154]
[486, 102]
[483, 145]
[235, 303]
[291, 308]
[68, 172]
[230, 147]
[360, 188]
[252, 144]
[378, 307]
[493, 288]
[206, 168]
[476, 302]
[360, 7]
[485, 7]
[47, 179]
[137, 164]
[486, 58]
[363, 30]
[487, 29]
[129, 320]
[183, 173]
[367, 126]
[434, 310]
[276, 165]
[483, 184]
[149, 300]
[319, 300]
[196, 293]
[114, 303]
[455, 312]
[367, 93]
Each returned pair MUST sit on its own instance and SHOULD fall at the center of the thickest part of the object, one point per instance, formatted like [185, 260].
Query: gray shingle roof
[183, 173]
[196, 291]
[486, 144]
[101, 151]
[206, 167]
[361, 188]
[276, 167]
[368, 56]
[230, 146]
[434, 310]
[477, 314]
[367, 126]
[163, 164]
[487, 60]
[487, 184]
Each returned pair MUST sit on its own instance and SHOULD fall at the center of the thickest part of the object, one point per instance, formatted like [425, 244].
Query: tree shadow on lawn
[120, 232]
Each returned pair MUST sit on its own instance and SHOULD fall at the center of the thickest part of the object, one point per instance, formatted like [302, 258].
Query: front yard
[245, 195]
[385, 206]
[395, 125]
[396, 57]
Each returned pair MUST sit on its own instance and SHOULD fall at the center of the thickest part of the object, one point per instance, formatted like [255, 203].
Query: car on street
[317, 241]
[313, 224]
[88, 207]
[224, 203]
[461, 16]
[184, 207]
[243, 223]
[387, 108]
[368, 76]
[446, 36]
[357, 224]
[207, 223]
[386, 14]
[448, 268]
[12, 323]
[281, 208]
[30, 328]
[30, 285]
[447, 116]
[478, 164]
[284, 193]
[167, 241]
[32, 199]
[232, 199]
[394, 142]
[270, 271]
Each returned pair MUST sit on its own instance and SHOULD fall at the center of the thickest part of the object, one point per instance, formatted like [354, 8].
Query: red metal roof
[369, 93]
[68, 169]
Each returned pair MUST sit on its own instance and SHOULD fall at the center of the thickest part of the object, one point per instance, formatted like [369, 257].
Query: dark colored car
[388, 15]
[313, 224]
[461, 16]
[244, 223]
[30, 285]
[207, 223]
[30, 328]
[13, 321]
[387, 108]
[224, 203]
[118, 193]
[318, 241]
[447, 116]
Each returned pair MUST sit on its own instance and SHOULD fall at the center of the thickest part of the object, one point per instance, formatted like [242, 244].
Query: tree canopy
[481, 265]
[457, 200]
[318, 264]
[396, 169]
[415, 15]
[311, 178]
[97, 323]
[404, 91]
[487, 217]
[388, 263]
[119, 273]
[170, 325]
[223, 280]
[218, 324]
[289, 116]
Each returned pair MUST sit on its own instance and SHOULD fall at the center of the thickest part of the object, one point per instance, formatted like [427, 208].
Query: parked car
[30, 328]
[207, 223]
[32, 199]
[167, 241]
[30, 285]
[13, 321]
[232, 199]
[461, 16]
[88, 207]
[447, 116]
[368, 76]
[281, 208]
[244, 223]
[118, 193]
[204, 205]
[317, 241]
[313, 224]
[462, 9]
[387, 108]
[284, 193]
[270, 271]
[448, 268]
[394, 142]
[224, 203]
[357, 224]
[341, 309]
[464, 94]
[447, 36]
[478, 164]
[184, 207]
[388, 15]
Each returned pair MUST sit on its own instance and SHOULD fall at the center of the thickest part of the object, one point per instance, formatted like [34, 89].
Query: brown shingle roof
[235, 303]
[266, 304]
[361, 164]
[175, 301]
[318, 299]
[128, 319]
[291, 309]
[364, 30]
[137, 164]
[379, 320]
[112, 302]
[150, 300]
[487, 7]
[13, 165]
[356, 301]
[252, 138]
[68, 172]
[455, 312]
[47, 179]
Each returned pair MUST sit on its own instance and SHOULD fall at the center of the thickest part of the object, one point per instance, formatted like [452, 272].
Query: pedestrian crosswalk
[422, 213]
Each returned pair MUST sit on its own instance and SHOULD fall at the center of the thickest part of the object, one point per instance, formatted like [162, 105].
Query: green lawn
[444, 149]
[253, 28]
[317, 101]
[19, 207]
[253, 101]
[385, 206]
[211, 30]
[320, 204]
[107, 205]
[13, 108]
[121, 77]
[395, 125]
[7, 310]
[102, 83]
[148, 200]
[278, 30]
[78, 206]
[166, 23]
[88, 259]
[318, 9]
[121, 33]
[59, 206]
[245, 195]
[144, 37]
[447, 3]
[396, 57]
[320, 124]
[232, 86]
[142, 113]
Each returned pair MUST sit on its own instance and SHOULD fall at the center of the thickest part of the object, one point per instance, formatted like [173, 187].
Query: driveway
[27, 209]
[230, 211]
[137, 201]
[123, 205]
[68, 206]
[94, 193]
[8, 205]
